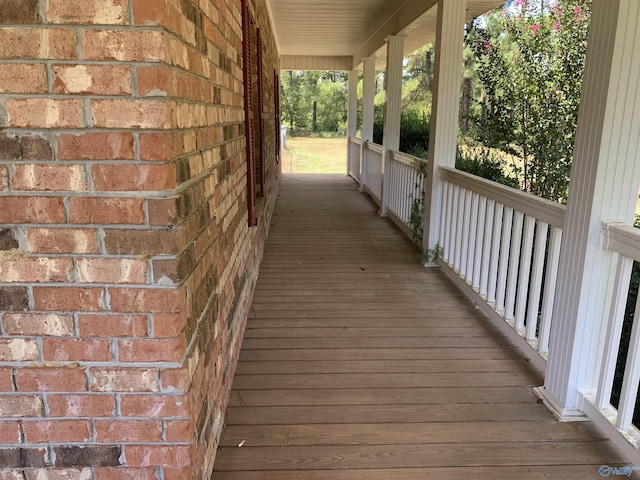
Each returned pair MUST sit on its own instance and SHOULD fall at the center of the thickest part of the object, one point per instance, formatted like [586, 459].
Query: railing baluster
[473, 235]
[459, 207]
[443, 215]
[478, 250]
[514, 263]
[466, 223]
[548, 296]
[505, 246]
[614, 331]
[525, 271]
[450, 232]
[629, 391]
[536, 279]
[486, 248]
[495, 252]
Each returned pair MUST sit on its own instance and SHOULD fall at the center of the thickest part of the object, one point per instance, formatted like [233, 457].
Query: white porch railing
[504, 246]
[405, 201]
[372, 164]
[354, 146]
[625, 241]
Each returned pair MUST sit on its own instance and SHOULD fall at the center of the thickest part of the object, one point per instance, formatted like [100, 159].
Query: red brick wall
[126, 263]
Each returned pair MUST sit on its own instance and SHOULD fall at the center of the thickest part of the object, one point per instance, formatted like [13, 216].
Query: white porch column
[392, 107]
[444, 111]
[352, 115]
[604, 185]
[368, 95]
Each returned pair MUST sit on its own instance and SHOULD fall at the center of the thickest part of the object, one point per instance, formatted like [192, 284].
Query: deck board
[359, 363]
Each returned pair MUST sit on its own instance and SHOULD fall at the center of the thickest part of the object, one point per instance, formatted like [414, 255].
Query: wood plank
[538, 472]
[399, 322]
[372, 332]
[396, 456]
[381, 396]
[373, 342]
[404, 434]
[322, 414]
[286, 367]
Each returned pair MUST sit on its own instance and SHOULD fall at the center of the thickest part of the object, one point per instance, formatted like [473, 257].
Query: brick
[88, 456]
[131, 114]
[13, 406]
[140, 242]
[6, 474]
[31, 210]
[57, 431]
[111, 270]
[19, 12]
[4, 178]
[133, 177]
[156, 81]
[175, 379]
[13, 299]
[167, 326]
[23, 78]
[163, 211]
[8, 239]
[152, 350]
[76, 350]
[124, 45]
[61, 379]
[6, 382]
[92, 79]
[40, 324]
[179, 431]
[61, 240]
[69, 299]
[112, 325]
[155, 406]
[117, 431]
[49, 177]
[44, 112]
[59, 474]
[177, 473]
[9, 432]
[23, 146]
[109, 12]
[124, 380]
[106, 211]
[145, 300]
[96, 146]
[18, 350]
[37, 43]
[160, 146]
[91, 405]
[23, 457]
[166, 455]
[33, 270]
[122, 473]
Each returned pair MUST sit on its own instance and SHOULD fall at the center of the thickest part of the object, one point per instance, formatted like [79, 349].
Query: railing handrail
[547, 211]
[410, 160]
[374, 147]
[622, 238]
[356, 140]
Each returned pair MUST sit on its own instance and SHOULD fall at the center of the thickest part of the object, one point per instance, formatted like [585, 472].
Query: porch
[358, 362]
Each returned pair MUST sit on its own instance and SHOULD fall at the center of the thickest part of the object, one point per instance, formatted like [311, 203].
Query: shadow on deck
[359, 363]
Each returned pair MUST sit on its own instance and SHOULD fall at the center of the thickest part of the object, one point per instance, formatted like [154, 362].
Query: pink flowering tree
[528, 59]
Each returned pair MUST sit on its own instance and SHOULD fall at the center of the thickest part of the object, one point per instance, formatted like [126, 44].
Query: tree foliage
[528, 60]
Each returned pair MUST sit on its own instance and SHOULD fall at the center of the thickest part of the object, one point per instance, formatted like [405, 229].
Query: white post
[352, 116]
[368, 96]
[604, 185]
[444, 111]
[392, 107]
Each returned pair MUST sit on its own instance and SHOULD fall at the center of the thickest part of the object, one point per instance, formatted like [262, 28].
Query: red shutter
[262, 174]
[248, 112]
[276, 101]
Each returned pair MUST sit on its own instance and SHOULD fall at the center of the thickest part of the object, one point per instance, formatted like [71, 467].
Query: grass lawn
[315, 155]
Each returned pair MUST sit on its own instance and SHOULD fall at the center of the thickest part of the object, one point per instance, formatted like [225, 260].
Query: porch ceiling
[338, 34]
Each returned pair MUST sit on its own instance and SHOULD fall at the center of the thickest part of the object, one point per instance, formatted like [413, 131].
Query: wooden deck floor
[359, 363]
